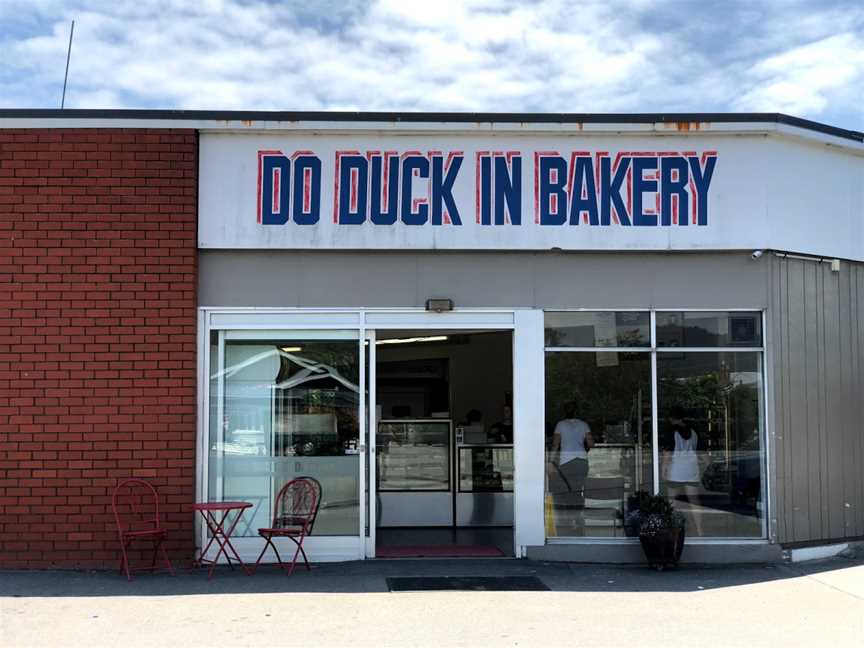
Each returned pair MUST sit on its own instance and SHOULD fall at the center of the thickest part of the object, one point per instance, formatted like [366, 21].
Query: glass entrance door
[414, 474]
[287, 404]
[291, 392]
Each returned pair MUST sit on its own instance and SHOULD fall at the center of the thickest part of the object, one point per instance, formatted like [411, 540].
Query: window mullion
[655, 426]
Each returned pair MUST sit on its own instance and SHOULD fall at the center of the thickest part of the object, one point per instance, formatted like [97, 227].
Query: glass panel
[598, 329]
[717, 329]
[289, 408]
[598, 439]
[413, 456]
[710, 440]
[486, 470]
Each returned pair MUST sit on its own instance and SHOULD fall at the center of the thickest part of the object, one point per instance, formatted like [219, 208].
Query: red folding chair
[316, 485]
[136, 511]
[294, 513]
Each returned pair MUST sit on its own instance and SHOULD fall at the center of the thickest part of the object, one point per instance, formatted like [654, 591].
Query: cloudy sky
[803, 58]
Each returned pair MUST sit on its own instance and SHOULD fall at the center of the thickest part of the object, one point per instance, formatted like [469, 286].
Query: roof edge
[427, 117]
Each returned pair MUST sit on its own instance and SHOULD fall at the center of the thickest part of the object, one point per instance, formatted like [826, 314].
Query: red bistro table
[215, 514]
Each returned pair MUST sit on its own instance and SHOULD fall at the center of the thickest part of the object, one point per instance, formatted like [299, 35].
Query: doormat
[439, 551]
[466, 583]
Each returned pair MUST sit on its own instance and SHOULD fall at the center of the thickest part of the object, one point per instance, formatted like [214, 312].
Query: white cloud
[478, 55]
[804, 79]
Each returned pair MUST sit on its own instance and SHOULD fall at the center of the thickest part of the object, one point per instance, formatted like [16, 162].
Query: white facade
[765, 192]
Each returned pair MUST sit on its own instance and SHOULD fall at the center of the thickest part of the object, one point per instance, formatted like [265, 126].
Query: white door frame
[368, 451]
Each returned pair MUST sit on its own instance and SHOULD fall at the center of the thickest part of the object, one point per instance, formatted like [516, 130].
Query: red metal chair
[294, 513]
[318, 492]
[136, 511]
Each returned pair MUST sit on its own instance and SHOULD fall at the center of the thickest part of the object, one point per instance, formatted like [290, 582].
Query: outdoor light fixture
[292, 349]
[431, 338]
[439, 305]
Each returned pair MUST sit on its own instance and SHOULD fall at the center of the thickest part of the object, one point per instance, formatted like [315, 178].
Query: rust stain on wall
[686, 126]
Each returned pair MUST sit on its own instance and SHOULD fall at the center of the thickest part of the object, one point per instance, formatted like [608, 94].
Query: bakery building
[480, 333]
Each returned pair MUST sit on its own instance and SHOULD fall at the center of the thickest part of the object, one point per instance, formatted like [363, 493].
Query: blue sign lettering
[384, 188]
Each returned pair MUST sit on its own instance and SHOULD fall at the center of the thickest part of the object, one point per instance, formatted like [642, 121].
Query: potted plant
[659, 526]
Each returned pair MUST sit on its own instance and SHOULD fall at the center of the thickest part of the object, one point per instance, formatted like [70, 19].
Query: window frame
[654, 351]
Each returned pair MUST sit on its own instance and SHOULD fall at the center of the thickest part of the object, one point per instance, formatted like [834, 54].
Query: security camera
[756, 254]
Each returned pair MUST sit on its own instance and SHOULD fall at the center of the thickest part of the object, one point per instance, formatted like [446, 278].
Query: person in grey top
[571, 442]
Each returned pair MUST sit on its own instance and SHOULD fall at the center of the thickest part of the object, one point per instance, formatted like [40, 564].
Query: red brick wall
[97, 336]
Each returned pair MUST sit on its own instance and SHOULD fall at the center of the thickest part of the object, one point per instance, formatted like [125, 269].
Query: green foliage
[649, 514]
[604, 393]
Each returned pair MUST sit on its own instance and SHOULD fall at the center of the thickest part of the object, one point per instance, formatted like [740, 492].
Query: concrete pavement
[348, 604]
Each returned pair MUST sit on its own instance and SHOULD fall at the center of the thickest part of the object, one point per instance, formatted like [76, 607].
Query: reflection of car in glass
[740, 477]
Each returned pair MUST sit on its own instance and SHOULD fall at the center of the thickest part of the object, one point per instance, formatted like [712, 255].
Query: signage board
[281, 191]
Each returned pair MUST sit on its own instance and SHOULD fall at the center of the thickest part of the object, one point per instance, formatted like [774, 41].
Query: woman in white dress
[681, 471]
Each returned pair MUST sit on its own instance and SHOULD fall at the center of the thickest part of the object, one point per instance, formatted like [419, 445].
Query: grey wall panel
[817, 345]
[857, 385]
[834, 405]
[695, 280]
[485, 279]
[797, 373]
[775, 465]
[845, 418]
[778, 353]
[489, 279]
[779, 418]
[370, 279]
[813, 348]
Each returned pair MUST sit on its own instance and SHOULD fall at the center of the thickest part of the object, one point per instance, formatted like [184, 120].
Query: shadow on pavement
[370, 577]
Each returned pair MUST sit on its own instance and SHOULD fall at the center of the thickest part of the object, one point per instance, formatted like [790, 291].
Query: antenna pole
[66, 76]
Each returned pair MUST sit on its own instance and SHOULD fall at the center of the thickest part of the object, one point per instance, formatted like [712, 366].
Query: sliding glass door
[286, 404]
[290, 392]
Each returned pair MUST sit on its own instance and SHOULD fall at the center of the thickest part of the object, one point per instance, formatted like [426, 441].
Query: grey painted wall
[485, 279]
[817, 352]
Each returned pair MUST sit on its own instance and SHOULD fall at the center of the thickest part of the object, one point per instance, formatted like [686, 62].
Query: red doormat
[439, 551]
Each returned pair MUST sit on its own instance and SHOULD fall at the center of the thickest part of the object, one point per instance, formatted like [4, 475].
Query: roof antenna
[66, 76]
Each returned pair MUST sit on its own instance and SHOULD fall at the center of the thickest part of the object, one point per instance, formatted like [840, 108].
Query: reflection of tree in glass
[322, 378]
[631, 338]
[621, 337]
[605, 393]
[714, 406]
[554, 337]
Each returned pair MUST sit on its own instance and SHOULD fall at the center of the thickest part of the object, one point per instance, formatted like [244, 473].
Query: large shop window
[601, 429]
[282, 408]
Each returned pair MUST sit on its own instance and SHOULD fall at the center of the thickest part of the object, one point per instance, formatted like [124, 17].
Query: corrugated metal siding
[817, 341]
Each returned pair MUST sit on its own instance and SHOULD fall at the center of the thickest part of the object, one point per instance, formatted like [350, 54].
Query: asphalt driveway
[350, 604]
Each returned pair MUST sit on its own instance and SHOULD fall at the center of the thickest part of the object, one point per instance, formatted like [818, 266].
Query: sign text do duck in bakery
[472, 192]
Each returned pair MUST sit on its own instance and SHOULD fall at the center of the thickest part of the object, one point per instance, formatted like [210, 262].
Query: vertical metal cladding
[818, 373]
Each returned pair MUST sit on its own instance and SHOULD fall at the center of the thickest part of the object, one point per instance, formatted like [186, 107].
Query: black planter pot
[664, 548]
